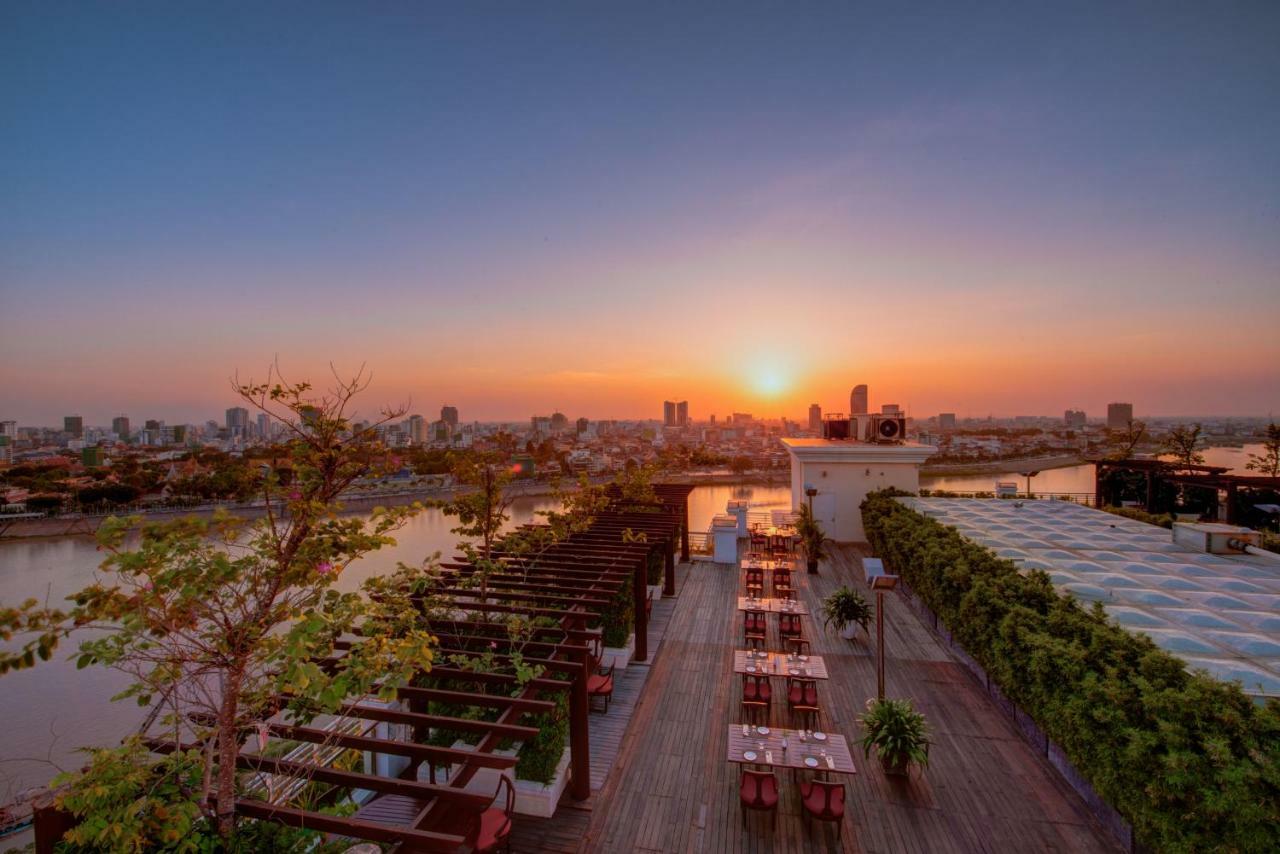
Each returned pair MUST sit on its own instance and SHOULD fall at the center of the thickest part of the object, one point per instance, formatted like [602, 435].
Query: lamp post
[879, 581]
[810, 561]
[1028, 475]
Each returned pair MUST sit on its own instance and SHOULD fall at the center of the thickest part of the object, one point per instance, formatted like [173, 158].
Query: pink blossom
[324, 567]
[295, 495]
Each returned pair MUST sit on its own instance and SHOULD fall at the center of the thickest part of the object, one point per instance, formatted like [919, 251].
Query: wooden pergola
[571, 584]
[1199, 476]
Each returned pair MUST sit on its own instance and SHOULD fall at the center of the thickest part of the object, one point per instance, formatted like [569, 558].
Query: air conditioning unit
[836, 426]
[886, 428]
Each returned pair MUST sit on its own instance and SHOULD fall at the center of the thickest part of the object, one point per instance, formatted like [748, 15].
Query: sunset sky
[517, 209]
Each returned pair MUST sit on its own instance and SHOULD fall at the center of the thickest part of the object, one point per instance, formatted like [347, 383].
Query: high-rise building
[682, 414]
[120, 426]
[264, 426]
[1119, 415]
[237, 421]
[1074, 418]
[449, 415]
[9, 429]
[559, 422]
[815, 418]
[152, 424]
[74, 425]
[858, 400]
[890, 409]
[947, 421]
[179, 434]
[417, 429]
[583, 425]
[669, 413]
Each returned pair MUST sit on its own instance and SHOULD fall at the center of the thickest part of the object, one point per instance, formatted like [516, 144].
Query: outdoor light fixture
[879, 581]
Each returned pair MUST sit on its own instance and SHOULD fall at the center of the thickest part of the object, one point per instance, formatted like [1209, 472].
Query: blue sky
[591, 208]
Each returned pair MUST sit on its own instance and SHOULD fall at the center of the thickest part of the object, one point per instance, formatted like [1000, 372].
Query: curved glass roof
[1221, 613]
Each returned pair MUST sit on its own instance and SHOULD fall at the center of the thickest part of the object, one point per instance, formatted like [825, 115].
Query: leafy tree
[109, 493]
[1268, 462]
[482, 510]
[740, 464]
[219, 622]
[1183, 444]
[1122, 443]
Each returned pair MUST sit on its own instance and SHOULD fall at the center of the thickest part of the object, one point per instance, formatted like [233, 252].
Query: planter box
[1031, 731]
[620, 657]
[540, 799]
[656, 590]
[532, 798]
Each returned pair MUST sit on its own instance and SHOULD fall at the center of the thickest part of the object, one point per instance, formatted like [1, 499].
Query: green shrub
[657, 564]
[617, 617]
[1189, 760]
[1164, 520]
[539, 756]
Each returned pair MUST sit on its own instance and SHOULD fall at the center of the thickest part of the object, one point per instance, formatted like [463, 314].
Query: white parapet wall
[843, 472]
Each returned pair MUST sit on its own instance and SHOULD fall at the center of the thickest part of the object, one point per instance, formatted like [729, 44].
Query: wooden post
[579, 730]
[880, 644]
[669, 572]
[684, 533]
[641, 585]
[1151, 492]
[50, 824]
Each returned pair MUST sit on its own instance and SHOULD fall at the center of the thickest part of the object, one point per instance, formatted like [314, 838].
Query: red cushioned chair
[824, 801]
[757, 694]
[789, 626]
[758, 791]
[754, 632]
[493, 829]
[600, 687]
[802, 698]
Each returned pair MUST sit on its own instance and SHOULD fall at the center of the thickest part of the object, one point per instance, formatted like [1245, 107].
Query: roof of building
[1218, 612]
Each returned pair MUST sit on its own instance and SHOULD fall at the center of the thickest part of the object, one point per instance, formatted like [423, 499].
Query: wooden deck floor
[670, 788]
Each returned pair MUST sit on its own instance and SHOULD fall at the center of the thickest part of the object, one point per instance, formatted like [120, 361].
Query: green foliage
[1164, 520]
[813, 540]
[845, 606]
[616, 619]
[246, 606]
[655, 567]
[1191, 761]
[482, 510]
[538, 757]
[1183, 444]
[897, 732]
[125, 801]
[1267, 463]
[1122, 443]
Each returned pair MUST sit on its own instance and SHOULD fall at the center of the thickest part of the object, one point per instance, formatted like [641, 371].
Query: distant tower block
[858, 400]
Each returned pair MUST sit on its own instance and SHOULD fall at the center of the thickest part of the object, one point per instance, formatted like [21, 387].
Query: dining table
[750, 661]
[773, 606]
[789, 748]
[768, 564]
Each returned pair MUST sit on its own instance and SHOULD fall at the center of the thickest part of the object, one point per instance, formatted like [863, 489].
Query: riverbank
[1001, 466]
[66, 526]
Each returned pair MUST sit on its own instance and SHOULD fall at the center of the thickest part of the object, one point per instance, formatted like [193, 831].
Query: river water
[48, 712]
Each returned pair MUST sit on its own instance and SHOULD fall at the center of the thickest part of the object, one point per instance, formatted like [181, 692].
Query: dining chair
[824, 801]
[798, 646]
[754, 630]
[493, 829]
[802, 699]
[757, 694]
[758, 791]
[789, 626]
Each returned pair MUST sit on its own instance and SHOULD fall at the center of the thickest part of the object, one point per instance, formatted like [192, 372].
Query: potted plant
[897, 732]
[812, 538]
[846, 609]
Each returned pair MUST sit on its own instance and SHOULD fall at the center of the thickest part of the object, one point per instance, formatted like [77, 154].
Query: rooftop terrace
[670, 788]
[1217, 612]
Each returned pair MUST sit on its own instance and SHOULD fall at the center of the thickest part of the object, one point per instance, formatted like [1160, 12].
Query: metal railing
[1086, 499]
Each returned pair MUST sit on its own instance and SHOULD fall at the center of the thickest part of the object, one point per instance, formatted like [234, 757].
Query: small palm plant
[846, 609]
[812, 538]
[897, 732]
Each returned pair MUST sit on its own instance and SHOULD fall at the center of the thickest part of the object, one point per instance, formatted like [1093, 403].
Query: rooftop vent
[1214, 538]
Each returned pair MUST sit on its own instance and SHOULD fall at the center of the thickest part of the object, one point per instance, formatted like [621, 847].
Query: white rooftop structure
[1219, 612]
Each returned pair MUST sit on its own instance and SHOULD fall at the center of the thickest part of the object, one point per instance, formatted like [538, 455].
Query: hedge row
[1190, 761]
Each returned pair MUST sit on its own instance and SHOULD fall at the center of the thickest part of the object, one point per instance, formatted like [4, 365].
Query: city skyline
[996, 212]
